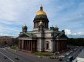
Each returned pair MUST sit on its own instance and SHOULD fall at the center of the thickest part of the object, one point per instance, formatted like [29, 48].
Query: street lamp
[16, 54]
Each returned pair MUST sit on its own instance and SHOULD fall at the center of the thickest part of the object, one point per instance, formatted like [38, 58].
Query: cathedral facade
[42, 38]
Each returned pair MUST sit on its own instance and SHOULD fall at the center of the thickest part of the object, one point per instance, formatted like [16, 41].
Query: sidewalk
[30, 54]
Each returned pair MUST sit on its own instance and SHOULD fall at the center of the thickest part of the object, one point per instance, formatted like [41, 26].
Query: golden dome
[40, 12]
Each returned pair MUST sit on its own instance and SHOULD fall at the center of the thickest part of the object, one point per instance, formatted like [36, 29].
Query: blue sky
[66, 14]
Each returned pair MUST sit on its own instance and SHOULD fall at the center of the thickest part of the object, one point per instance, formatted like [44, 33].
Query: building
[6, 40]
[42, 38]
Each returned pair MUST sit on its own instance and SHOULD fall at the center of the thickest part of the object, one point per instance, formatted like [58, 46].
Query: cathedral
[42, 37]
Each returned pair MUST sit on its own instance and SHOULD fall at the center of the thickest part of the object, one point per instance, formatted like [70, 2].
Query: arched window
[47, 45]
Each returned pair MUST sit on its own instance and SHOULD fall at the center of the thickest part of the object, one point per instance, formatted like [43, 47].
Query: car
[67, 53]
[17, 58]
[71, 51]
[60, 59]
[5, 57]
[69, 59]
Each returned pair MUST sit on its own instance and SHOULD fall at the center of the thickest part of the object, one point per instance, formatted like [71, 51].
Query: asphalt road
[11, 56]
[3, 58]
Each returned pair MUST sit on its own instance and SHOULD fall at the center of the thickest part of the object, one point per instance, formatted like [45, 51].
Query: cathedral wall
[38, 45]
[50, 45]
[48, 35]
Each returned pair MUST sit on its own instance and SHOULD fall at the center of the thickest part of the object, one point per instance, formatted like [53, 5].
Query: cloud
[7, 10]
[10, 31]
[68, 31]
[78, 33]
[15, 13]
[11, 10]
[65, 14]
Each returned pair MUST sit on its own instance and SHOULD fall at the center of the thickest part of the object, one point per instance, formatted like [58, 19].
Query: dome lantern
[41, 8]
[40, 12]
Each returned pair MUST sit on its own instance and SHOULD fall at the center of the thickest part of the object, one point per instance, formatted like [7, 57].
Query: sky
[68, 15]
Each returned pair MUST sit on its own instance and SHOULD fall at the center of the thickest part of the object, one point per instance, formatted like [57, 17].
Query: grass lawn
[14, 47]
[43, 53]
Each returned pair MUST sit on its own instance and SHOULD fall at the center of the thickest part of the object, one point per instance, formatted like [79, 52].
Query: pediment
[23, 35]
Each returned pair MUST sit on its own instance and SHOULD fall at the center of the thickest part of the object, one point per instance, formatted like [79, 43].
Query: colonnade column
[28, 45]
[19, 44]
[53, 45]
[22, 44]
[31, 45]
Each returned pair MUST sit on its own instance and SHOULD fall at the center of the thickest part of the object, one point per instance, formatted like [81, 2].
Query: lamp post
[16, 54]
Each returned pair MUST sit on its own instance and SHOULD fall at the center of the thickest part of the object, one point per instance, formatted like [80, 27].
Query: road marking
[7, 57]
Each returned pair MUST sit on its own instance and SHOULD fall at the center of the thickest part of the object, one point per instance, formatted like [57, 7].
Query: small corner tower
[24, 28]
[40, 17]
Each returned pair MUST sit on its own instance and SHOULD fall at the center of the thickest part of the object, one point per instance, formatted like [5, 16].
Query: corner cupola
[24, 28]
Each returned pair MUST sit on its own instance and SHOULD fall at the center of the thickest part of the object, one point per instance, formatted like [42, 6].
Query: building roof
[59, 35]
[26, 34]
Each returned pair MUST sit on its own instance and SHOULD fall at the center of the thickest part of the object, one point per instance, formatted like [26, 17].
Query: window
[47, 45]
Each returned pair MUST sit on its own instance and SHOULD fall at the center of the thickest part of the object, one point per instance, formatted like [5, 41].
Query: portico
[28, 45]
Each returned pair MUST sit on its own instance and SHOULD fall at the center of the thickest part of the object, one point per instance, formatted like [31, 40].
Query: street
[6, 55]
[72, 54]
